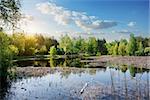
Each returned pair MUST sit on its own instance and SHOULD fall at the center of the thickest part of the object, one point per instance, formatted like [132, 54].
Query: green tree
[52, 62]
[65, 43]
[92, 46]
[146, 42]
[10, 12]
[42, 42]
[147, 51]
[131, 47]
[122, 48]
[9, 16]
[5, 54]
[80, 45]
[30, 45]
[14, 50]
[115, 49]
[18, 40]
[43, 50]
[101, 46]
[50, 42]
[132, 70]
[140, 50]
[53, 51]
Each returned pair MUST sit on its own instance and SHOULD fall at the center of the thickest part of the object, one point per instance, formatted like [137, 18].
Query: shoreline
[136, 61]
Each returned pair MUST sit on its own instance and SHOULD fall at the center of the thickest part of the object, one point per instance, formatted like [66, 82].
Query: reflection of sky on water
[64, 85]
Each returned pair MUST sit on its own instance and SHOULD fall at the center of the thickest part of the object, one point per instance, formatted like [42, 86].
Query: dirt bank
[137, 61]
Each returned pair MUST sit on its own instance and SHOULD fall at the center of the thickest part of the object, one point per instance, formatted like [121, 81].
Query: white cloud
[122, 32]
[64, 16]
[131, 24]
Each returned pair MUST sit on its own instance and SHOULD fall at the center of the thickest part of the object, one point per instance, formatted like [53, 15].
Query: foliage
[132, 70]
[109, 48]
[131, 47]
[98, 54]
[43, 50]
[91, 46]
[122, 48]
[65, 43]
[30, 45]
[5, 54]
[53, 51]
[140, 50]
[14, 49]
[18, 40]
[10, 12]
[147, 51]
[101, 46]
[115, 49]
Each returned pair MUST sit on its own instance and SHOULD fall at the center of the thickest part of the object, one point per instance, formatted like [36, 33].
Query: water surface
[111, 82]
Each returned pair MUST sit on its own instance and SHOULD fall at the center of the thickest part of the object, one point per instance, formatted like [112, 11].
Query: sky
[109, 19]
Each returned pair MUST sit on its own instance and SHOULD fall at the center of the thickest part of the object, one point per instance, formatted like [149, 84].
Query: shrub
[147, 51]
[98, 54]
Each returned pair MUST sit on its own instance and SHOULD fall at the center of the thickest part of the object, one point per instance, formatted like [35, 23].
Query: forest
[20, 44]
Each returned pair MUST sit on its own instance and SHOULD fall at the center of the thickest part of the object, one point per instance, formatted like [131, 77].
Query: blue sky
[110, 19]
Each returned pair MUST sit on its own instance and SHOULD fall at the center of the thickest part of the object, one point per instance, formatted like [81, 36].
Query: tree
[43, 50]
[5, 54]
[10, 12]
[101, 46]
[146, 42]
[122, 48]
[40, 41]
[65, 43]
[115, 49]
[80, 45]
[53, 51]
[18, 40]
[30, 45]
[140, 50]
[50, 42]
[91, 46]
[14, 50]
[131, 47]
[147, 51]
[44, 43]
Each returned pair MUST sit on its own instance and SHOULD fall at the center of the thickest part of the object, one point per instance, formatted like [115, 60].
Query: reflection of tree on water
[4, 87]
[132, 70]
[130, 88]
[52, 62]
[92, 71]
[65, 62]
[148, 86]
[123, 68]
[56, 62]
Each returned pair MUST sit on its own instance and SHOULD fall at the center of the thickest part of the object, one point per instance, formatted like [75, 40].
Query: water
[64, 83]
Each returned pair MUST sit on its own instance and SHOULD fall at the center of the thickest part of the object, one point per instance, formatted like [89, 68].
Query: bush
[98, 54]
[139, 53]
[147, 51]
[86, 55]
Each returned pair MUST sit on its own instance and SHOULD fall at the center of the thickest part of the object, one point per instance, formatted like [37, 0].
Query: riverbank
[136, 61]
